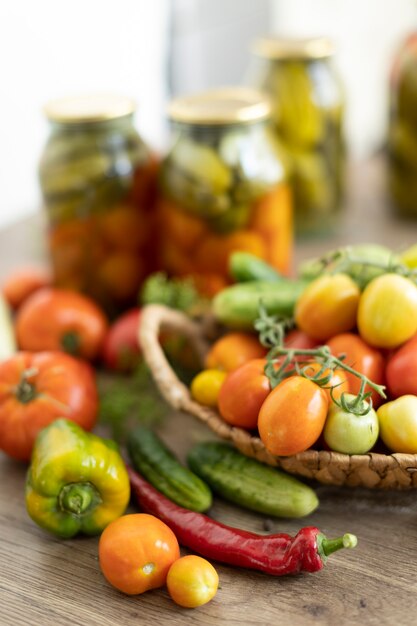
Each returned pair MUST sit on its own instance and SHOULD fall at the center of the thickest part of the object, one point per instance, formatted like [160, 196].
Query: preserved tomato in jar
[98, 180]
[223, 188]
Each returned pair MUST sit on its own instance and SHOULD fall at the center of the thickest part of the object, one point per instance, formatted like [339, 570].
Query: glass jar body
[98, 182]
[223, 188]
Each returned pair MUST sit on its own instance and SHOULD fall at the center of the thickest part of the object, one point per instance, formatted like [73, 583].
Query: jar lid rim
[275, 47]
[88, 108]
[224, 105]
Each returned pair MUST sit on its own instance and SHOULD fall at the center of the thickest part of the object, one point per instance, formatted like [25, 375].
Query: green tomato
[349, 433]
[398, 424]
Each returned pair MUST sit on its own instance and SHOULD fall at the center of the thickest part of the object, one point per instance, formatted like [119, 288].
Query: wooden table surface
[48, 582]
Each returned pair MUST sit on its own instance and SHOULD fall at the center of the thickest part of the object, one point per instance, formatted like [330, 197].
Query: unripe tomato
[328, 306]
[205, 387]
[192, 581]
[398, 424]
[349, 433]
[233, 350]
[292, 417]
[387, 313]
[401, 371]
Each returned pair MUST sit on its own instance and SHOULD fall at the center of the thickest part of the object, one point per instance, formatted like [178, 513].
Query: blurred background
[154, 50]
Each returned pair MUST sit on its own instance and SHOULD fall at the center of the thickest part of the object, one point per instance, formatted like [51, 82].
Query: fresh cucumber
[249, 483]
[244, 267]
[159, 466]
[238, 306]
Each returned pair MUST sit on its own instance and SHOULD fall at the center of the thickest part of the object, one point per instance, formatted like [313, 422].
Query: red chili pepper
[273, 554]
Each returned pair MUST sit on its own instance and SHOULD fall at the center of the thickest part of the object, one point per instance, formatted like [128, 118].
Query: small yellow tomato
[398, 424]
[387, 313]
[205, 387]
[328, 306]
[192, 581]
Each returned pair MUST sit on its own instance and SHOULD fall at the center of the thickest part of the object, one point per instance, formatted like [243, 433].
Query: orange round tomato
[233, 350]
[58, 319]
[338, 382]
[22, 282]
[292, 417]
[361, 357]
[136, 551]
[243, 393]
[35, 390]
[192, 581]
[328, 306]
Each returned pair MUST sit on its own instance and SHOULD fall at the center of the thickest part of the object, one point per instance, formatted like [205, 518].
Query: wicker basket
[394, 471]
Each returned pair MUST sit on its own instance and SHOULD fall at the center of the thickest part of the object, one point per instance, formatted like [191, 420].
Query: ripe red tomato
[243, 393]
[57, 319]
[401, 371]
[361, 357]
[22, 282]
[35, 390]
[121, 351]
[292, 417]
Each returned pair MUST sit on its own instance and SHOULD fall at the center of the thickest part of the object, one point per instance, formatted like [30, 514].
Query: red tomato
[292, 417]
[298, 339]
[401, 371]
[21, 283]
[57, 319]
[361, 357]
[121, 351]
[35, 390]
[243, 393]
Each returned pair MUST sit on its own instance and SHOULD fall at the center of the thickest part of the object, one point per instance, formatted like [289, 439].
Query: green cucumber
[251, 484]
[160, 467]
[238, 306]
[244, 267]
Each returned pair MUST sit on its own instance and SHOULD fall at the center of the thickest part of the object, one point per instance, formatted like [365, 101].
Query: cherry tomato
[35, 390]
[297, 339]
[328, 306]
[363, 359]
[205, 387]
[338, 382]
[21, 283]
[57, 319]
[292, 417]
[398, 424]
[192, 581]
[387, 314]
[243, 393]
[349, 433]
[121, 351]
[401, 371]
[234, 350]
[136, 551]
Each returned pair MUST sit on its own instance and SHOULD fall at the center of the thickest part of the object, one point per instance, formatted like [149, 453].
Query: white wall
[52, 48]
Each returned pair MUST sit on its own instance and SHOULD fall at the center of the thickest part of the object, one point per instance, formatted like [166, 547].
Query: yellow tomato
[398, 424]
[205, 387]
[387, 313]
[328, 306]
[192, 581]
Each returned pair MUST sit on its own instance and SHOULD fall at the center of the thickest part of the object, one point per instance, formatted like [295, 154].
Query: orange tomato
[361, 357]
[136, 551]
[338, 381]
[22, 282]
[233, 350]
[292, 417]
[121, 275]
[57, 319]
[123, 227]
[192, 581]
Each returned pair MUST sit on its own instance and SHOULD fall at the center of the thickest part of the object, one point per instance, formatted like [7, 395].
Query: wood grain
[48, 582]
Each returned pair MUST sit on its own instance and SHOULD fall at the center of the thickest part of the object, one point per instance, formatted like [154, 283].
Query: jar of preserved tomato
[402, 133]
[307, 115]
[223, 187]
[98, 181]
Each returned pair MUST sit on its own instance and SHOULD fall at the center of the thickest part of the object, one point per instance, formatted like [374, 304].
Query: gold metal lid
[88, 108]
[293, 48]
[227, 105]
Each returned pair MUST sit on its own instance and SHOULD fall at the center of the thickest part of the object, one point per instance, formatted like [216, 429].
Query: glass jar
[402, 133]
[98, 181]
[223, 188]
[307, 116]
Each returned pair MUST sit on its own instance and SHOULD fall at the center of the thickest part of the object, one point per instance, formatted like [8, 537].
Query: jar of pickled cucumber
[223, 187]
[307, 115]
[98, 181]
[402, 133]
